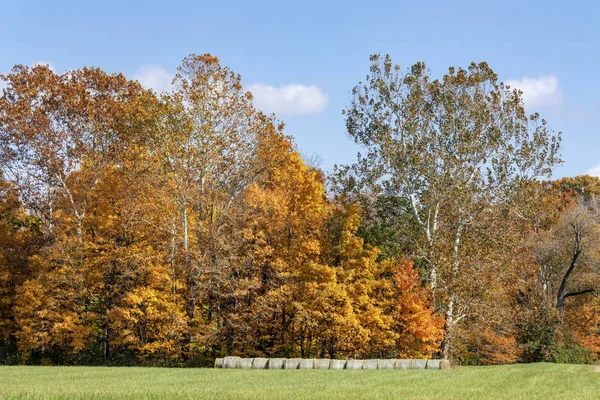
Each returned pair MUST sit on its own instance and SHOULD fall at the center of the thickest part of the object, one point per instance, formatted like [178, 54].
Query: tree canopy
[173, 228]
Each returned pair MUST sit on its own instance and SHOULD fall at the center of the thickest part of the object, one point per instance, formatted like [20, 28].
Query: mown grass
[534, 381]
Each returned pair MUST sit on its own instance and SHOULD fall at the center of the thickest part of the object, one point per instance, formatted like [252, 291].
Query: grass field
[534, 381]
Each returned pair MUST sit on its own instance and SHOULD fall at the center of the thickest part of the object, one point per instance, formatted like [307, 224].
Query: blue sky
[303, 58]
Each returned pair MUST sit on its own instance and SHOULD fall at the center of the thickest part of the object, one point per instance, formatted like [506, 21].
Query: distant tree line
[174, 228]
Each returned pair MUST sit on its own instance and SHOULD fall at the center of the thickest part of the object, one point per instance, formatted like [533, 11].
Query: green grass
[534, 381]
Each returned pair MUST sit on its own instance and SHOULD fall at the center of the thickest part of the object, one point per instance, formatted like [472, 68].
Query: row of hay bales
[326, 363]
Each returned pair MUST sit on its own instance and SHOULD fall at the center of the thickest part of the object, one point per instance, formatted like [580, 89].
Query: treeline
[138, 228]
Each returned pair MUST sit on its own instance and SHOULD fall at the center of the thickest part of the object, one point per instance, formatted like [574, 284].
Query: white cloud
[292, 99]
[540, 91]
[154, 77]
[594, 171]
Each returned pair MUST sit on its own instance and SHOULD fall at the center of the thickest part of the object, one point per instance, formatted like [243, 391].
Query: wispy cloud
[539, 91]
[154, 77]
[594, 171]
[295, 99]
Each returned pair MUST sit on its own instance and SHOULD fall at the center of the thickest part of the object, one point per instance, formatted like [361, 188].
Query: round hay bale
[402, 364]
[292, 363]
[322, 363]
[433, 364]
[354, 364]
[445, 364]
[307, 363]
[218, 363]
[338, 364]
[276, 363]
[231, 362]
[370, 364]
[260, 363]
[386, 364]
[419, 364]
[245, 363]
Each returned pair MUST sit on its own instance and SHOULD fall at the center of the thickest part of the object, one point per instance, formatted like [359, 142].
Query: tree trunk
[562, 295]
[448, 330]
[172, 260]
[106, 344]
[192, 282]
[450, 320]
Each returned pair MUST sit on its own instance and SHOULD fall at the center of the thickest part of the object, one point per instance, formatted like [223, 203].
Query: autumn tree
[20, 238]
[209, 139]
[55, 125]
[276, 232]
[63, 134]
[452, 148]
